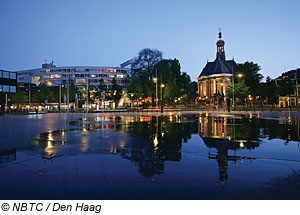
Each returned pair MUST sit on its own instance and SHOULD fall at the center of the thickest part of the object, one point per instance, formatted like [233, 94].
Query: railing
[173, 108]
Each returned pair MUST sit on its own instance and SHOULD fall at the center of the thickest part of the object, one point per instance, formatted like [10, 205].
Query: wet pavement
[149, 156]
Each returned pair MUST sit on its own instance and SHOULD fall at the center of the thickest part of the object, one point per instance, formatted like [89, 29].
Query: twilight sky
[109, 32]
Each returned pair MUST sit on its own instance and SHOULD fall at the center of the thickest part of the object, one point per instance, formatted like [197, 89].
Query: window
[55, 76]
[5, 88]
[109, 70]
[5, 74]
[13, 75]
[80, 80]
[121, 76]
[13, 89]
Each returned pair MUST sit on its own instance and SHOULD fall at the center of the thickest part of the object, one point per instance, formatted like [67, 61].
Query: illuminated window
[109, 70]
[111, 76]
[55, 76]
[80, 80]
[93, 76]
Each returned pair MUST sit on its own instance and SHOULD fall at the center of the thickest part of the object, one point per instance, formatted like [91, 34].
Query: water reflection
[149, 141]
[182, 148]
[226, 134]
[8, 156]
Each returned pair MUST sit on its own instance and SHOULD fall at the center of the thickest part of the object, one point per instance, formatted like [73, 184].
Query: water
[175, 156]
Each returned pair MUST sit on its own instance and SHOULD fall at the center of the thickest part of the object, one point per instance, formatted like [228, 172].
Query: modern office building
[8, 84]
[216, 75]
[51, 75]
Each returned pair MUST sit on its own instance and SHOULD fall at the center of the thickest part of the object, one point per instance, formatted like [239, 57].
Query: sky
[109, 32]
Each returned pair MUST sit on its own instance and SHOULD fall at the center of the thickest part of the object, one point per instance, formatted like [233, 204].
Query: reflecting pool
[175, 156]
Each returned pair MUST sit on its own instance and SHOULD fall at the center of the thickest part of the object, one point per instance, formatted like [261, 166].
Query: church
[215, 76]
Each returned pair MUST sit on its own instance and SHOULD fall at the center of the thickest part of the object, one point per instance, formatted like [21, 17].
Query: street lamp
[156, 96]
[161, 101]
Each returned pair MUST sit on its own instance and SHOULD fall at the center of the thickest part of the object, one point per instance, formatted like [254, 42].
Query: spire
[220, 34]
[220, 47]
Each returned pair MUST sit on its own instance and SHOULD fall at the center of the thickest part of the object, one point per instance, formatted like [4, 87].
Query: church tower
[220, 47]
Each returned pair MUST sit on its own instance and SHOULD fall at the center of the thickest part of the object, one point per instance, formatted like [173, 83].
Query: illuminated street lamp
[240, 75]
[161, 98]
[156, 96]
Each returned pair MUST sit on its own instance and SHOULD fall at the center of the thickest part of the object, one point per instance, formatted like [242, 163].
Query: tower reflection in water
[225, 134]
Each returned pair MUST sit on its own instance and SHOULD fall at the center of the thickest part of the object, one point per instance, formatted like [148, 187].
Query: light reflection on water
[200, 153]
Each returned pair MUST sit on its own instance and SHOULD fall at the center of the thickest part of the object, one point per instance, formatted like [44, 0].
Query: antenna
[219, 29]
[45, 61]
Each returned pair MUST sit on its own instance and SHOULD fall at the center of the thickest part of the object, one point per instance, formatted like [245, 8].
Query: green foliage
[143, 72]
[177, 83]
[115, 91]
[269, 90]
[19, 98]
[240, 89]
[72, 90]
[192, 91]
[42, 93]
[251, 75]
[286, 87]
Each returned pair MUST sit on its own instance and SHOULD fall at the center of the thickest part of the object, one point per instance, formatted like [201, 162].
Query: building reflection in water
[8, 156]
[149, 141]
[221, 133]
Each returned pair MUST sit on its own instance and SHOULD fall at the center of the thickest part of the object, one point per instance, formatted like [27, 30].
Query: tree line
[248, 84]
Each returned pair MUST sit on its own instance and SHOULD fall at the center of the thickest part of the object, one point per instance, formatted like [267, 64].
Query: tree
[43, 93]
[192, 91]
[240, 89]
[177, 83]
[250, 73]
[269, 90]
[115, 91]
[19, 98]
[143, 72]
[73, 89]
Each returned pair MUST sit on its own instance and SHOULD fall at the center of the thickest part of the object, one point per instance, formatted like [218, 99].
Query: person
[36, 111]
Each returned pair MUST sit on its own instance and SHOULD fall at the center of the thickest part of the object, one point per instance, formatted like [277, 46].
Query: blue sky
[107, 33]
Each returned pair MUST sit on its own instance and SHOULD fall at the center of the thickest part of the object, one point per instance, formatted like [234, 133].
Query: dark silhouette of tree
[269, 91]
[250, 73]
[115, 91]
[143, 72]
[42, 93]
[19, 98]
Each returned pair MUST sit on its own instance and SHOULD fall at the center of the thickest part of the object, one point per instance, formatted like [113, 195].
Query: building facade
[293, 99]
[51, 75]
[215, 76]
[8, 85]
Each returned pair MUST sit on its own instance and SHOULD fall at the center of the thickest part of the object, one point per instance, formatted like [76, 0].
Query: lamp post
[156, 100]
[161, 98]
